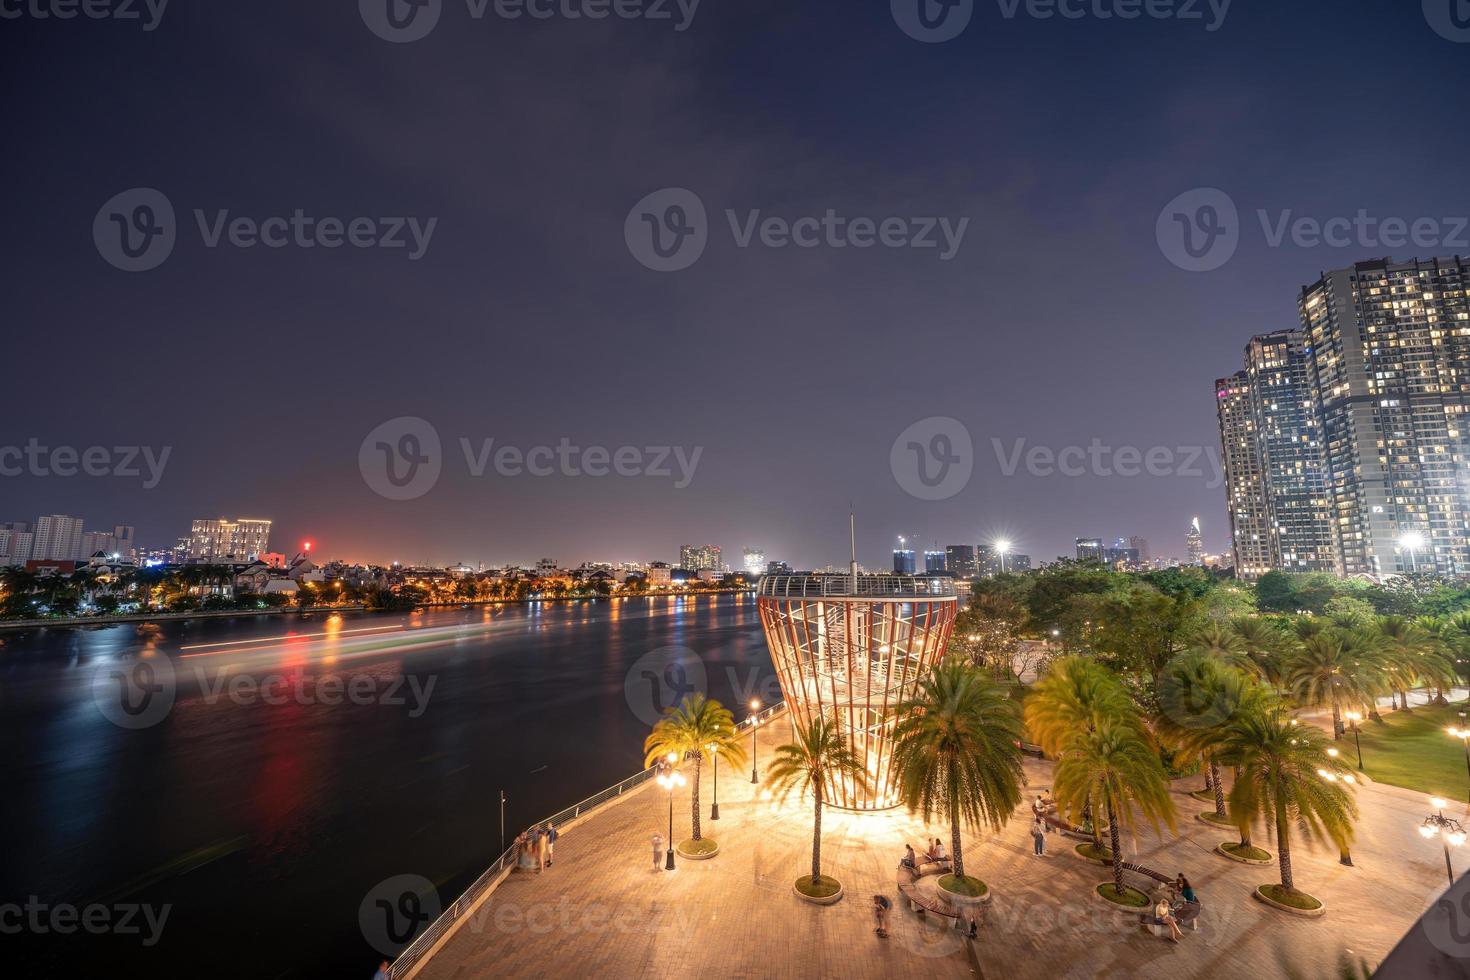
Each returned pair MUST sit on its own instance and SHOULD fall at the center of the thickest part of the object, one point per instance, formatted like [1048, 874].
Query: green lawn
[1413, 751]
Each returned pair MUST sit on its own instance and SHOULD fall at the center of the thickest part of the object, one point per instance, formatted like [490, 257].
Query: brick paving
[602, 911]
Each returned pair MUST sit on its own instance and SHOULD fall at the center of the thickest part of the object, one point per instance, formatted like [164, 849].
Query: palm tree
[1223, 645]
[1116, 764]
[1264, 644]
[1077, 695]
[820, 756]
[957, 751]
[1288, 777]
[1333, 669]
[1437, 658]
[695, 729]
[1198, 696]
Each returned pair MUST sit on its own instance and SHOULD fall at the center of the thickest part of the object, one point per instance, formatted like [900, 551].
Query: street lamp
[1463, 734]
[1003, 548]
[670, 779]
[1412, 542]
[714, 810]
[1355, 717]
[1449, 831]
[755, 705]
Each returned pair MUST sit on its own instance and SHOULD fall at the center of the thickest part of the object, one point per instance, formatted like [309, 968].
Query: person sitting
[1165, 916]
[1185, 890]
[936, 853]
[910, 860]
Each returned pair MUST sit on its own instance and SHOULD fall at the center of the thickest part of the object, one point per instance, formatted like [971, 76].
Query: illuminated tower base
[852, 647]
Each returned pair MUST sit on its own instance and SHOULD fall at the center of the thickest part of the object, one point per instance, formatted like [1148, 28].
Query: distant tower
[850, 647]
[904, 560]
[1194, 544]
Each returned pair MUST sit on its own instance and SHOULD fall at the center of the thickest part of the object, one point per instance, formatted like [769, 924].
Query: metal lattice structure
[853, 647]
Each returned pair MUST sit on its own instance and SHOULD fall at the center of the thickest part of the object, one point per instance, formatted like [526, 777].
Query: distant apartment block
[222, 539]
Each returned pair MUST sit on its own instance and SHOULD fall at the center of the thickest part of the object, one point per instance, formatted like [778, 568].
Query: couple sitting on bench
[1180, 908]
[930, 862]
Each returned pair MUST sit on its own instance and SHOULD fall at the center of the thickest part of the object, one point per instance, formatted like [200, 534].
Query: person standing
[551, 836]
[658, 851]
[881, 905]
[382, 973]
[543, 848]
[1038, 837]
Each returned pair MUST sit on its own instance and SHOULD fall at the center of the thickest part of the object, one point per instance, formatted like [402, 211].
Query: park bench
[918, 903]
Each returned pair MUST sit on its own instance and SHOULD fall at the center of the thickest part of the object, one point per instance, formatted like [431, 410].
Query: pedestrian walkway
[603, 911]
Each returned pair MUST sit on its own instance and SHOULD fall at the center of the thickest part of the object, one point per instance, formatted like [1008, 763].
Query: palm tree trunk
[817, 835]
[954, 839]
[1245, 835]
[1087, 819]
[1209, 776]
[1336, 722]
[694, 797]
[1404, 697]
[1219, 793]
[1113, 835]
[1283, 849]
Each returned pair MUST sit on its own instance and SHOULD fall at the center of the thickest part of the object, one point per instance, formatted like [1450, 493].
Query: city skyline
[1058, 321]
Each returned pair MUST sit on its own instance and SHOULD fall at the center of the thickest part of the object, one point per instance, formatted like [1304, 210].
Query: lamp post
[755, 705]
[714, 810]
[1412, 541]
[1447, 829]
[670, 779]
[502, 821]
[1355, 717]
[1463, 734]
[1002, 548]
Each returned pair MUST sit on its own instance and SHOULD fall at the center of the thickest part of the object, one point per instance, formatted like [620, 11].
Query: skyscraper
[697, 558]
[904, 562]
[754, 561]
[933, 561]
[959, 561]
[1090, 549]
[1245, 485]
[1388, 362]
[57, 538]
[1194, 543]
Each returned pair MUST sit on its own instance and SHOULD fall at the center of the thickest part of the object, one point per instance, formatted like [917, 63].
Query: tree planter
[1080, 848]
[958, 898]
[832, 899]
[1204, 796]
[1209, 817]
[1097, 894]
[1317, 912]
[1220, 850]
[697, 850]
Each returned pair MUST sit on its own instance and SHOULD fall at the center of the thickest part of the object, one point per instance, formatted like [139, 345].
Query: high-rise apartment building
[224, 540]
[696, 558]
[904, 561]
[754, 560]
[57, 537]
[1388, 361]
[959, 561]
[933, 561]
[1090, 549]
[1194, 543]
[1245, 485]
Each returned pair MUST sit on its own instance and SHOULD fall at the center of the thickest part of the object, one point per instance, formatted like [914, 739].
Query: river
[220, 797]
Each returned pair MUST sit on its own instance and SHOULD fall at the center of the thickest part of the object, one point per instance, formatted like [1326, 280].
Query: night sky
[529, 320]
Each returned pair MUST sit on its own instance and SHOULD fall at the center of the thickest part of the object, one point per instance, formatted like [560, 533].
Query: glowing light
[1456, 838]
[1412, 540]
[1437, 803]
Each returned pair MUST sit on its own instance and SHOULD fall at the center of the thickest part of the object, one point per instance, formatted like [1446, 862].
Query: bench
[918, 903]
[1187, 916]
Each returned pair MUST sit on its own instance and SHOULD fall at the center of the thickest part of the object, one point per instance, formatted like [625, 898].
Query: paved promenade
[603, 911]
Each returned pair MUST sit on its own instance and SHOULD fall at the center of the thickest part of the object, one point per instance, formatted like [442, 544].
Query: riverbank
[169, 617]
